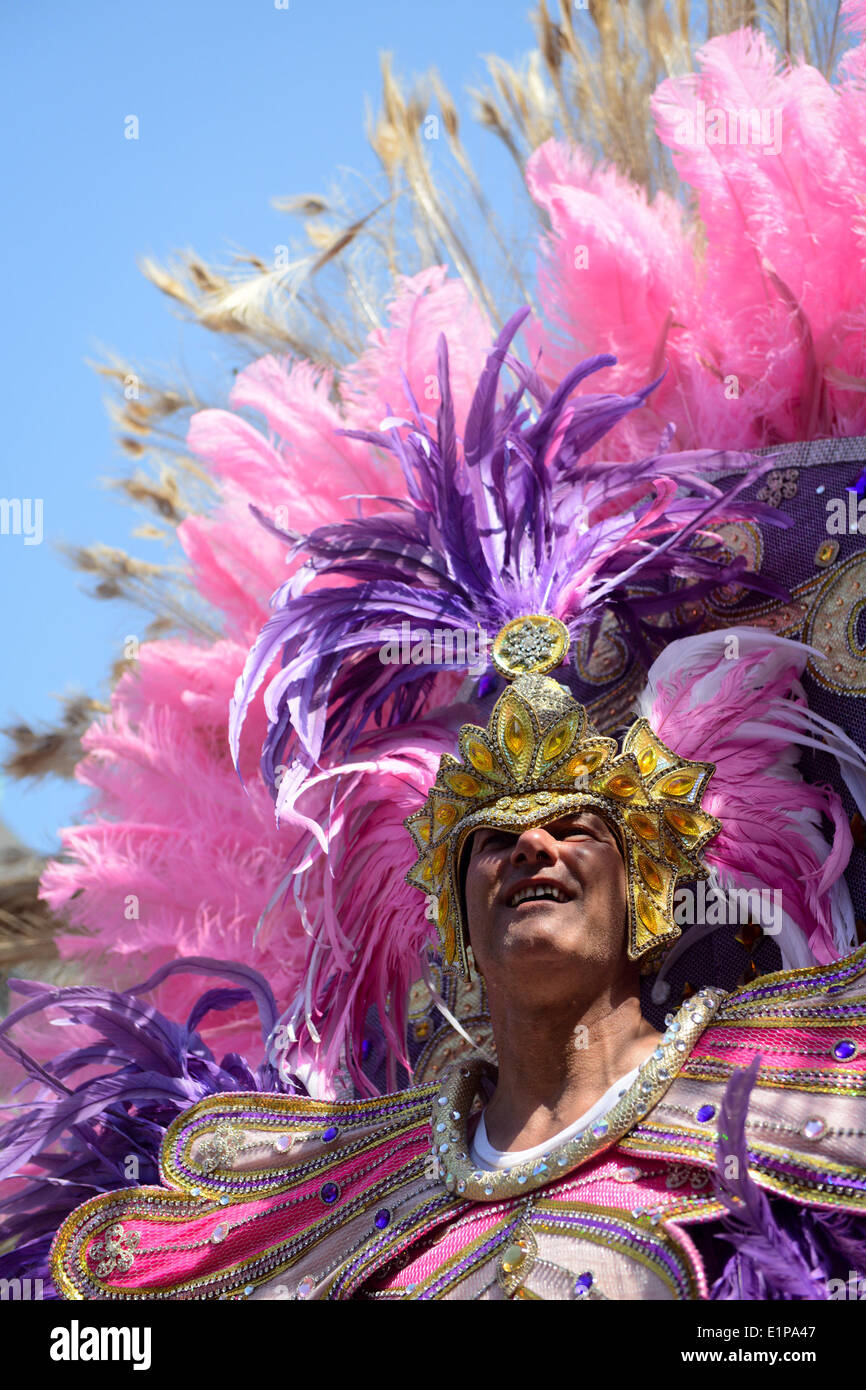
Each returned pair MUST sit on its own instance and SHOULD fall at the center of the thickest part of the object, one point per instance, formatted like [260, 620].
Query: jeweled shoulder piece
[539, 759]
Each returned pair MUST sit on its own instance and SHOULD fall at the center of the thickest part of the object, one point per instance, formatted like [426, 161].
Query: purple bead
[365, 1047]
[383, 1218]
[583, 1283]
[329, 1192]
[843, 1050]
[330, 1133]
[705, 1113]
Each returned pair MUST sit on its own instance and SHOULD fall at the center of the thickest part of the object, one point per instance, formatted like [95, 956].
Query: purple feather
[516, 521]
[769, 1263]
[69, 1144]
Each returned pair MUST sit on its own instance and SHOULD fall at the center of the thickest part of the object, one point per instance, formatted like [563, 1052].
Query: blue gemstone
[583, 1283]
[329, 1192]
[330, 1133]
[365, 1047]
[383, 1218]
[843, 1050]
[705, 1113]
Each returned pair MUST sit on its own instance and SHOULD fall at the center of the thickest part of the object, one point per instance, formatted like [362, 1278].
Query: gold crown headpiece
[538, 760]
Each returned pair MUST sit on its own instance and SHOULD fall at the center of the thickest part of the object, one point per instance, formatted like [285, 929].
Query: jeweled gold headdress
[539, 759]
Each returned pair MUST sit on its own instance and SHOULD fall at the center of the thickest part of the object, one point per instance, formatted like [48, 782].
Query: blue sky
[238, 102]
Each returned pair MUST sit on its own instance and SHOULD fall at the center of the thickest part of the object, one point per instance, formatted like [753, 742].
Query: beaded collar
[452, 1104]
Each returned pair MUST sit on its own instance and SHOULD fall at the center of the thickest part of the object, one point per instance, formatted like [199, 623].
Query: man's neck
[556, 1061]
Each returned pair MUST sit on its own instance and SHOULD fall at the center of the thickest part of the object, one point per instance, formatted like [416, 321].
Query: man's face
[578, 922]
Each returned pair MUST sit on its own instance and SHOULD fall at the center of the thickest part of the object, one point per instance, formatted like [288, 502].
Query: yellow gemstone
[683, 822]
[463, 784]
[556, 741]
[642, 826]
[446, 814]
[479, 756]
[444, 909]
[650, 874]
[426, 873]
[652, 920]
[423, 830]
[621, 786]
[439, 856]
[678, 784]
[584, 763]
[647, 761]
[515, 735]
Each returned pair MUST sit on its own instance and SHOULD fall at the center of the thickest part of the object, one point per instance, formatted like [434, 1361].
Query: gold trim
[456, 1095]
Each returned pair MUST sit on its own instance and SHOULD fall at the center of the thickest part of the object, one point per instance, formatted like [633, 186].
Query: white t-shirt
[484, 1155]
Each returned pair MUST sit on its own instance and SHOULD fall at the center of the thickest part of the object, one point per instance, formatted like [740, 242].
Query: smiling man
[598, 1157]
[546, 912]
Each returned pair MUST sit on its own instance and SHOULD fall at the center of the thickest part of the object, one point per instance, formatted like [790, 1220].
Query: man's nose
[533, 844]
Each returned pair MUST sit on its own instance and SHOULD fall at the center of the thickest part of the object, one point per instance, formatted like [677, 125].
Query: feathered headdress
[508, 521]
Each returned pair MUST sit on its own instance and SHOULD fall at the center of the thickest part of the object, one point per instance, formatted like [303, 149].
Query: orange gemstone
[446, 814]
[439, 856]
[678, 784]
[647, 761]
[584, 763]
[621, 786]
[643, 826]
[463, 784]
[652, 920]
[480, 756]
[650, 874]
[683, 822]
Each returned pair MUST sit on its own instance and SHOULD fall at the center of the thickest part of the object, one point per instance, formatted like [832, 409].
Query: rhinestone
[248, 1289]
[219, 1232]
[658, 1054]
[224, 1200]
[440, 1127]
[600, 1130]
[442, 1100]
[582, 1284]
[814, 1127]
[443, 1148]
[512, 1257]
[305, 1288]
[461, 1186]
[626, 1174]
[844, 1050]
[680, 1046]
[521, 1178]
[540, 1168]
[562, 1159]
[663, 1074]
[669, 1018]
[488, 1191]
[455, 1114]
[705, 1113]
[330, 1134]
[383, 1218]
[329, 1192]
[195, 1192]
[283, 1142]
[820, 488]
[673, 1026]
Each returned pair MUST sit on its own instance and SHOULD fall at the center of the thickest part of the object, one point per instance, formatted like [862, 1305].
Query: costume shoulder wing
[806, 1122]
[254, 1186]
